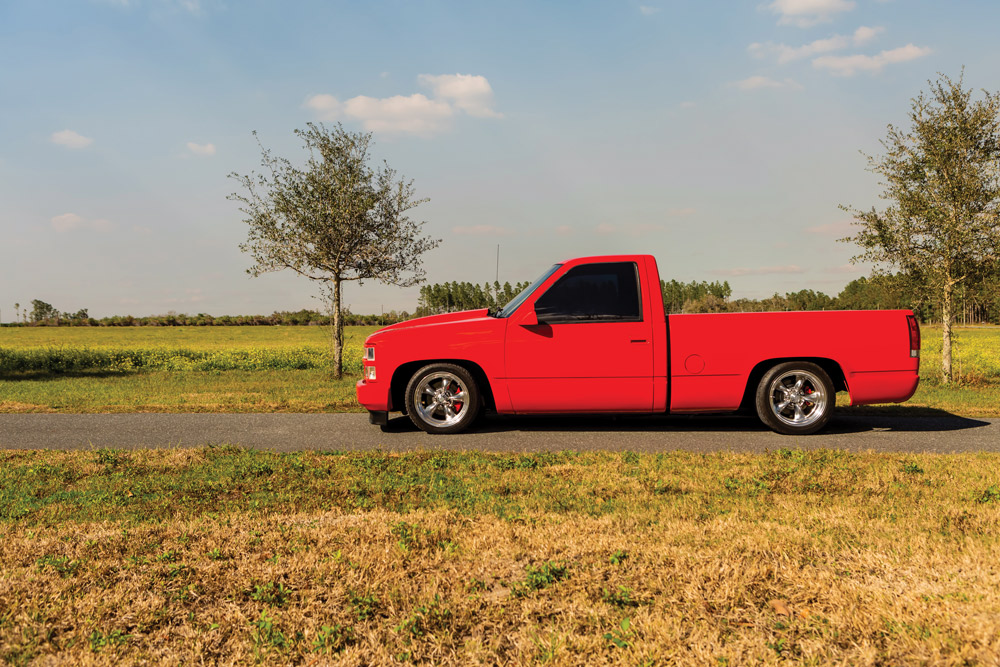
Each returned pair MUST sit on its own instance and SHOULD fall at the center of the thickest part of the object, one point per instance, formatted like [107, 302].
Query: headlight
[369, 354]
[369, 372]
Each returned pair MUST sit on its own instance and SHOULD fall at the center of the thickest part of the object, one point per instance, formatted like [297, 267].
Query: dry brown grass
[241, 557]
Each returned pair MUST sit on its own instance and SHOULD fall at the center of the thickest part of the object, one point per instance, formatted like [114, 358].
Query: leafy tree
[942, 179]
[41, 311]
[336, 219]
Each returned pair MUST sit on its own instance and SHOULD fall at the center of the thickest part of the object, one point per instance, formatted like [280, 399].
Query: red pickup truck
[590, 336]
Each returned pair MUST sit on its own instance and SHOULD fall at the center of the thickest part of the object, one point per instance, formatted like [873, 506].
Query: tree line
[454, 296]
[975, 304]
[50, 316]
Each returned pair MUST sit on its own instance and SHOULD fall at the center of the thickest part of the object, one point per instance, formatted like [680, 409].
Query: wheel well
[401, 377]
[831, 367]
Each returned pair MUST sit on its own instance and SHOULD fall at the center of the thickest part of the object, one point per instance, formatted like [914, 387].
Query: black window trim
[616, 320]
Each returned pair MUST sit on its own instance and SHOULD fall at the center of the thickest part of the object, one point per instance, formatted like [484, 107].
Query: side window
[593, 293]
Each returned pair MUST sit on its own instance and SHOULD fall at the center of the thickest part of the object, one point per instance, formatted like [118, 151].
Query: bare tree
[334, 220]
[942, 179]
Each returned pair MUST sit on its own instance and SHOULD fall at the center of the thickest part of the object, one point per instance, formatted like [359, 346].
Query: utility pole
[497, 278]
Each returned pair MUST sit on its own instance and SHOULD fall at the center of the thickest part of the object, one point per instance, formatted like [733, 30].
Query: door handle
[638, 340]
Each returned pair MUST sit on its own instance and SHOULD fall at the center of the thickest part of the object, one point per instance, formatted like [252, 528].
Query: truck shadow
[896, 419]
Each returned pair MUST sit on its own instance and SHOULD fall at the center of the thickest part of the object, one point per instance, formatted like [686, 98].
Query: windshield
[509, 309]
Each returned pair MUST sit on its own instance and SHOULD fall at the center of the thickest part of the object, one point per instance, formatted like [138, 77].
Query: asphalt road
[290, 432]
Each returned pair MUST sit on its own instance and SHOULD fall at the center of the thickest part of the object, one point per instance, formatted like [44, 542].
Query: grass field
[228, 556]
[285, 369]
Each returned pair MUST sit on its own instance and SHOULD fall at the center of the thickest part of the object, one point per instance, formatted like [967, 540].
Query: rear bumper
[882, 386]
[373, 396]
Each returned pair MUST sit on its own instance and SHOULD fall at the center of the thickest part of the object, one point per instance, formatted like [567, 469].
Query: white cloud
[70, 139]
[806, 13]
[481, 230]
[755, 82]
[688, 104]
[647, 10]
[850, 65]
[760, 271]
[327, 107]
[66, 222]
[201, 149]
[414, 114]
[470, 93]
[866, 34]
[564, 229]
[606, 228]
[786, 54]
[70, 221]
[682, 211]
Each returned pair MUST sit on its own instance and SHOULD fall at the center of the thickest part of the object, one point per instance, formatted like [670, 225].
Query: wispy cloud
[844, 268]
[680, 212]
[564, 229]
[416, 113]
[481, 230]
[634, 229]
[760, 271]
[192, 6]
[807, 13]
[839, 228]
[786, 54]
[201, 149]
[70, 139]
[758, 82]
[648, 10]
[71, 221]
[851, 65]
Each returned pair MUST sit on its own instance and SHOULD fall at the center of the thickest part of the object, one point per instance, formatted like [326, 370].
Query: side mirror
[530, 319]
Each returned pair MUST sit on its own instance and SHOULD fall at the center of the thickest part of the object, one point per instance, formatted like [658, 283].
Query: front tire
[795, 398]
[442, 398]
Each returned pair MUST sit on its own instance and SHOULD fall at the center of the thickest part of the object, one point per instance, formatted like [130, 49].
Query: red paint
[704, 362]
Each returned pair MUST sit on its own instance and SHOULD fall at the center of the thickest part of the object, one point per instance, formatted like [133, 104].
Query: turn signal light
[369, 372]
[369, 354]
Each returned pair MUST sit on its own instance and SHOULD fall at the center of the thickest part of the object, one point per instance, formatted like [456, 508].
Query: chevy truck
[591, 336]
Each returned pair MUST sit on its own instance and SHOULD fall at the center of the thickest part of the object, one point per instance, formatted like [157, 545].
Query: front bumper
[374, 396]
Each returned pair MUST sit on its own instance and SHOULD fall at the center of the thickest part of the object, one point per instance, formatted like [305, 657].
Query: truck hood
[437, 319]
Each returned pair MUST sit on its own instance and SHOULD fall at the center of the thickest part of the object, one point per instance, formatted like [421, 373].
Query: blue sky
[718, 136]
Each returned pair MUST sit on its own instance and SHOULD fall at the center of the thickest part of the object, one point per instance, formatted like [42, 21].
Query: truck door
[584, 345]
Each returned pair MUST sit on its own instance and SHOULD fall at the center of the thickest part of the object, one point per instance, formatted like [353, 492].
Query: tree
[41, 311]
[337, 219]
[942, 179]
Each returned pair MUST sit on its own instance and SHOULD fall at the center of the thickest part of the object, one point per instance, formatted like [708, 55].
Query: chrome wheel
[798, 398]
[441, 399]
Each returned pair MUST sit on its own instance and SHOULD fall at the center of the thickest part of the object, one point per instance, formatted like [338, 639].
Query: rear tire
[795, 398]
[442, 398]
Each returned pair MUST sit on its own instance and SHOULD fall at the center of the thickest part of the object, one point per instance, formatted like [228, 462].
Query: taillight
[911, 321]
